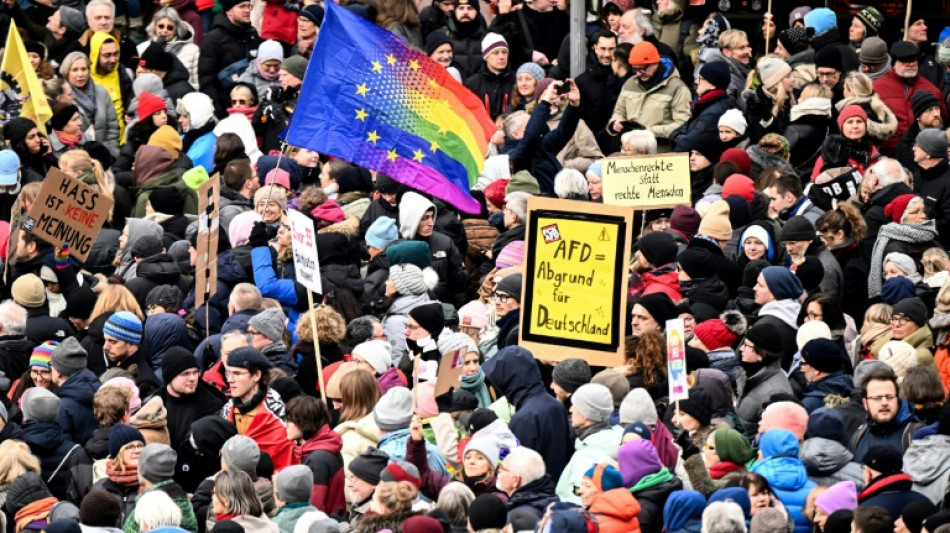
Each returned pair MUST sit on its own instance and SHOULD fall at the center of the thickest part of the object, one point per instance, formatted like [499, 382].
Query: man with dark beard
[599, 89]
[466, 28]
[186, 396]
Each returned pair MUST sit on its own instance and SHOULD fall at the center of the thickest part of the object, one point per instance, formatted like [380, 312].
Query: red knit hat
[327, 213]
[852, 110]
[715, 334]
[644, 53]
[685, 220]
[895, 210]
[495, 193]
[740, 158]
[739, 185]
[149, 104]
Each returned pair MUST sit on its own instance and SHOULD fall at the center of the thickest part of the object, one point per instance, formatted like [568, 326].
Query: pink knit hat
[511, 255]
[785, 415]
[425, 400]
[842, 495]
[125, 383]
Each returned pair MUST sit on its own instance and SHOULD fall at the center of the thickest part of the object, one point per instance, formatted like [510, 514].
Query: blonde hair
[779, 96]
[731, 38]
[815, 90]
[117, 462]
[934, 260]
[331, 327]
[877, 314]
[396, 497]
[82, 163]
[859, 84]
[16, 460]
[116, 298]
[943, 298]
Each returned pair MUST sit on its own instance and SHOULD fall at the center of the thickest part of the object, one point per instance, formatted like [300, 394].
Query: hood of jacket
[709, 290]
[412, 207]
[681, 507]
[95, 45]
[764, 160]
[150, 163]
[663, 276]
[160, 269]
[163, 331]
[138, 228]
[43, 436]
[784, 473]
[210, 434]
[80, 387]
[515, 374]
[716, 383]
[606, 440]
[926, 459]
[823, 457]
[405, 303]
[152, 415]
[324, 439]
[364, 427]
[229, 270]
[784, 310]
[616, 503]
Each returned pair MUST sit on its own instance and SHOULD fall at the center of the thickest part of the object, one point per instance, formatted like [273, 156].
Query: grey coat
[829, 462]
[105, 124]
[927, 462]
[754, 393]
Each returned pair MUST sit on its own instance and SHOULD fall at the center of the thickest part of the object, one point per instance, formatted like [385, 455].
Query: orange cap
[644, 53]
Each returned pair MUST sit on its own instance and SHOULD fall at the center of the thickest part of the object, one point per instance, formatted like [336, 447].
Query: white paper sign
[306, 262]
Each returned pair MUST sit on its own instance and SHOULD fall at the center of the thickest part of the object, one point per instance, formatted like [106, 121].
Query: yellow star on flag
[392, 155]
[362, 89]
[377, 68]
[417, 156]
[391, 59]
[434, 83]
[372, 137]
[361, 114]
[434, 146]
[414, 64]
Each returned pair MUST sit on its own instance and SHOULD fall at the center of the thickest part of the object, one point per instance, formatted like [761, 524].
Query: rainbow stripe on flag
[372, 100]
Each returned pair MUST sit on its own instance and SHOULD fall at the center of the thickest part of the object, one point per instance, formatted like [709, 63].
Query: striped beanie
[124, 326]
[42, 355]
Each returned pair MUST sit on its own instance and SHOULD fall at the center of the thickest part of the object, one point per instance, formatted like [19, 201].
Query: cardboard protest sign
[68, 210]
[450, 372]
[306, 262]
[647, 181]
[209, 217]
[676, 359]
[575, 283]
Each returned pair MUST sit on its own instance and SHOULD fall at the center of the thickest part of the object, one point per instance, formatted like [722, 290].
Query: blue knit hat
[736, 495]
[124, 326]
[122, 435]
[531, 68]
[782, 283]
[604, 476]
[821, 20]
[381, 233]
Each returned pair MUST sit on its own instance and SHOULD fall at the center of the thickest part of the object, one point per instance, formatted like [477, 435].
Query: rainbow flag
[372, 100]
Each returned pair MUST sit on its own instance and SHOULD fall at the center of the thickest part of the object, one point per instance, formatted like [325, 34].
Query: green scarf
[652, 480]
[476, 385]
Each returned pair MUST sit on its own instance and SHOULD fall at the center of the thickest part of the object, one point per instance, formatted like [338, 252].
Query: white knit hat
[772, 70]
[270, 50]
[734, 119]
[638, 406]
[811, 330]
[492, 41]
[899, 355]
[378, 354]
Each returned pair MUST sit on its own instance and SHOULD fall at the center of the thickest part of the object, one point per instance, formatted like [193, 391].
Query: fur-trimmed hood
[886, 124]
[349, 226]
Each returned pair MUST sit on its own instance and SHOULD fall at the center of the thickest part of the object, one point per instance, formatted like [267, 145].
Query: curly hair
[646, 355]
[311, 197]
[331, 326]
[396, 497]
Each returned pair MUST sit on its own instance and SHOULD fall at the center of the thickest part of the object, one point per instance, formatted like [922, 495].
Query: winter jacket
[177, 495]
[881, 123]
[707, 297]
[933, 185]
[786, 474]
[152, 421]
[184, 48]
[286, 517]
[599, 90]
[828, 462]
[893, 492]
[783, 314]
[221, 47]
[258, 524]
[394, 322]
[153, 271]
[15, 351]
[837, 383]
[540, 421]
[184, 410]
[104, 121]
[726, 270]
[616, 511]
[598, 447]
[704, 121]
[54, 449]
[896, 94]
[75, 408]
[321, 453]
[528, 30]
[652, 496]
[533, 497]
[290, 294]
[921, 340]
[492, 89]
[873, 212]
[896, 433]
[125, 495]
[357, 436]
[537, 150]
[927, 462]
[810, 123]
[663, 279]
[661, 109]
[156, 173]
[755, 391]
[268, 428]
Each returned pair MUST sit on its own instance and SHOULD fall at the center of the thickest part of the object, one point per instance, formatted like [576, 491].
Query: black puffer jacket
[176, 81]
[467, 43]
[493, 90]
[40, 327]
[224, 45]
[703, 124]
[707, 297]
[599, 90]
[449, 265]
[50, 444]
[805, 135]
[153, 271]
[652, 501]
[873, 212]
[933, 185]
[15, 354]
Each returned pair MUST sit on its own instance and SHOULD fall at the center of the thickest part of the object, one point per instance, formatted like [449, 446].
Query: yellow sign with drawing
[574, 298]
[647, 181]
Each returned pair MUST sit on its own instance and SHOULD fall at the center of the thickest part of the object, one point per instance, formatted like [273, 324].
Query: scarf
[812, 107]
[221, 517]
[706, 97]
[69, 140]
[37, 511]
[250, 405]
[246, 111]
[476, 385]
[723, 468]
[269, 76]
[871, 332]
[912, 233]
[85, 100]
[128, 478]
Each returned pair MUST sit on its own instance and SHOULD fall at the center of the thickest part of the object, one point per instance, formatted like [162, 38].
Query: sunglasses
[240, 101]
[165, 26]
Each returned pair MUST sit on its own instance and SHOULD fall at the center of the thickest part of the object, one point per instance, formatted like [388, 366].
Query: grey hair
[512, 121]
[68, 61]
[235, 333]
[723, 517]
[95, 3]
[171, 14]
[526, 464]
[116, 372]
[246, 296]
[456, 499]
[570, 183]
[642, 141]
[156, 509]
[13, 318]
[360, 329]
[644, 23]
[888, 172]
[517, 203]
[237, 489]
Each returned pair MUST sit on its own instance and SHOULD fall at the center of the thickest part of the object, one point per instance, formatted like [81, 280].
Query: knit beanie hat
[873, 51]
[685, 220]
[394, 410]
[640, 429]
[798, 228]
[511, 255]
[99, 508]
[765, 336]
[658, 248]
[716, 73]
[896, 289]
[898, 355]
[903, 262]
[933, 141]
[487, 512]
[772, 70]
[644, 53]
[571, 374]
[716, 222]
[775, 144]
[177, 360]
[897, 208]
[327, 213]
[157, 462]
[382, 232]
[474, 314]
[738, 496]
[495, 193]
[121, 435]
[62, 114]
[16, 130]
[296, 66]
[166, 200]
[820, 20]
[377, 353]
[604, 476]
[270, 323]
[294, 484]
[42, 355]
[39, 405]
[615, 381]
[148, 105]
[659, 305]
[809, 331]
[436, 39]
[739, 185]
[28, 290]
[849, 111]
[914, 514]
[430, 316]
[511, 285]
[239, 231]
[276, 194]
[782, 283]
[735, 120]
[241, 452]
[637, 459]
[722, 332]
[810, 273]
[698, 405]
[710, 146]
[69, 357]
[841, 495]
[280, 177]
[593, 401]
[638, 406]
[397, 471]
[823, 355]
[696, 263]
[533, 69]
[270, 50]
[825, 423]
[413, 252]
[487, 446]
[124, 326]
[457, 341]
[921, 101]
[368, 465]
[491, 42]
[872, 19]
[408, 279]
[732, 446]
[794, 40]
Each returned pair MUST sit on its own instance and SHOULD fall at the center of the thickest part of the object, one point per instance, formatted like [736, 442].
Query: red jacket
[321, 453]
[214, 376]
[665, 282]
[268, 429]
[278, 23]
[616, 511]
[896, 93]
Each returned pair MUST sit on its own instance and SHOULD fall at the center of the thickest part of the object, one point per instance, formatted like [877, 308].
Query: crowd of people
[810, 271]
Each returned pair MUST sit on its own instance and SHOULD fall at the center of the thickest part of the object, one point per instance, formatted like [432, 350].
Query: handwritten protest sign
[647, 181]
[450, 372]
[209, 217]
[574, 294]
[676, 359]
[68, 210]
[306, 263]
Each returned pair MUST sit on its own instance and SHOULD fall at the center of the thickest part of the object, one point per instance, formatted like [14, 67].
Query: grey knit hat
[72, 19]
[296, 66]
[570, 374]
[456, 341]
[69, 357]
[270, 322]
[157, 462]
[40, 405]
[593, 401]
[613, 379]
[638, 406]
[933, 141]
[240, 452]
[294, 484]
[408, 279]
[394, 410]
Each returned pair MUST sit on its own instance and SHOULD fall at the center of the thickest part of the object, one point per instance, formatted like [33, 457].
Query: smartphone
[564, 88]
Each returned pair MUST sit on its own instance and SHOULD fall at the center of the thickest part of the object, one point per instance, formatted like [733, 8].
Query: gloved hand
[61, 256]
[261, 234]
[444, 401]
[689, 449]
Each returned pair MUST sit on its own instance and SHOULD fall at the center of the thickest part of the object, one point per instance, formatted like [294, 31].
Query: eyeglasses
[133, 447]
[254, 332]
[240, 101]
[501, 297]
[40, 372]
[899, 320]
[881, 399]
[828, 75]
[190, 373]
[709, 447]
[236, 374]
[165, 26]
[747, 346]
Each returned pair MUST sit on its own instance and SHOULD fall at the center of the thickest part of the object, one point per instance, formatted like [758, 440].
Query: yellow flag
[21, 94]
